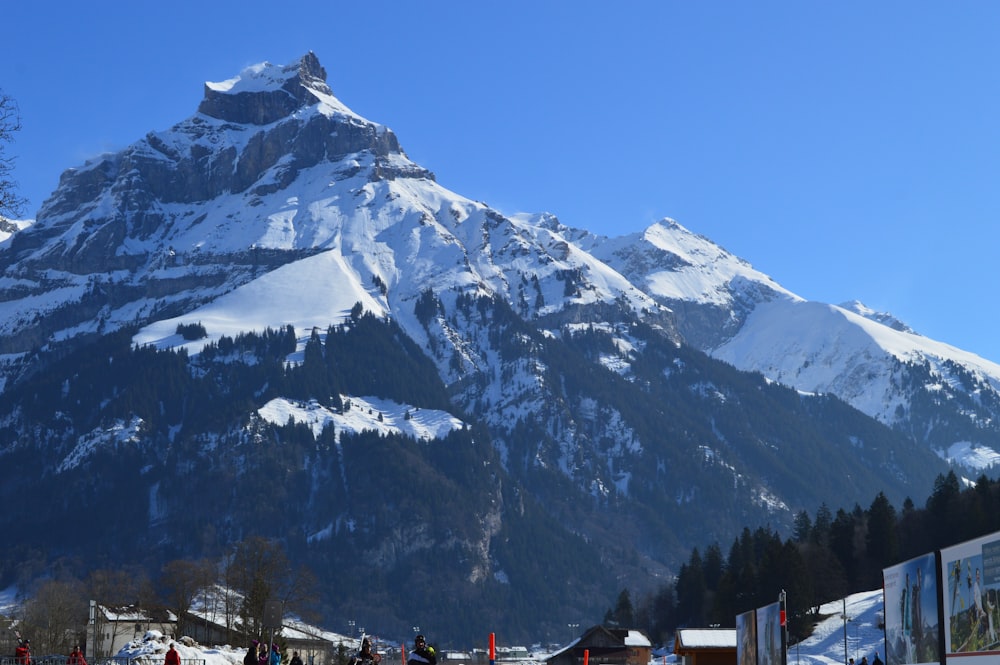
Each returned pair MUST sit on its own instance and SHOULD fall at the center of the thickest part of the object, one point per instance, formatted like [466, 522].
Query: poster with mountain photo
[970, 574]
[912, 625]
[746, 638]
[769, 648]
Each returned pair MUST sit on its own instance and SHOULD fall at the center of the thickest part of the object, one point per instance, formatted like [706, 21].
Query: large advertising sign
[912, 626]
[769, 651]
[970, 575]
[746, 638]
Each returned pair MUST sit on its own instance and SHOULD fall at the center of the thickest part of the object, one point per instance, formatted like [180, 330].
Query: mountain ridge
[277, 257]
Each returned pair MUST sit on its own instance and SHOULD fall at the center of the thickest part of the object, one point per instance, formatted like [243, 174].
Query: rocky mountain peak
[265, 93]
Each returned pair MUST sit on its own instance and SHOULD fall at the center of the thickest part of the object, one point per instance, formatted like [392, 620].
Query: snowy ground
[828, 644]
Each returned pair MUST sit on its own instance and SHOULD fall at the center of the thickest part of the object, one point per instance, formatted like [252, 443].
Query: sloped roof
[134, 613]
[705, 638]
[620, 638]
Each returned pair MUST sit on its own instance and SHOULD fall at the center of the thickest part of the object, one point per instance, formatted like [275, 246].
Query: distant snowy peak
[674, 264]
[885, 318]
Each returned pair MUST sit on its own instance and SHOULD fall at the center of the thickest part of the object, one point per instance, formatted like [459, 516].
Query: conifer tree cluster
[829, 556]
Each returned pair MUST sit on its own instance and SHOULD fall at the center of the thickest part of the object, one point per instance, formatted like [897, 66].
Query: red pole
[493, 648]
[402, 650]
[586, 657]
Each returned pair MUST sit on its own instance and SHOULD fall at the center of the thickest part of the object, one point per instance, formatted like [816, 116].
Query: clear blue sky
[848, 149]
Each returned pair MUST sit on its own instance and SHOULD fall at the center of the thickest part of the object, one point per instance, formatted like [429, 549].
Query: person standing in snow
[251, 657]
[295, 659]
[263, 654]
[76, 657]
[172, 657]
[275, 655]
[422, 654]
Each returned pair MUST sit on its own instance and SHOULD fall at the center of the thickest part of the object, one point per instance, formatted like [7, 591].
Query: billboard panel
[970, 575]
[912, 627]
[769, 651]
[746, 638]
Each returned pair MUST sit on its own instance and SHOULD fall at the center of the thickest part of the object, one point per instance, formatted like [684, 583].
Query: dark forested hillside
[828, 556]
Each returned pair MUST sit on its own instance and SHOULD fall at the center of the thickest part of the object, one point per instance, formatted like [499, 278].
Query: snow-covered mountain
[943, 396]
[272, 281]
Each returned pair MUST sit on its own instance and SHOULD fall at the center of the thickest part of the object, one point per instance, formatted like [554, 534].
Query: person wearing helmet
[366, 656]
[422, 654]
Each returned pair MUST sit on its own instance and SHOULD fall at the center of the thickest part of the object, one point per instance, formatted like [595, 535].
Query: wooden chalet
[706, 646]
[605, 646]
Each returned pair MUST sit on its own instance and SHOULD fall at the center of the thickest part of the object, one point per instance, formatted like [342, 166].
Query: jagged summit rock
[252, 137]
[265, 93]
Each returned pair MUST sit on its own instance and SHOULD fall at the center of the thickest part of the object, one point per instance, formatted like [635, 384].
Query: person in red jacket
[22, 654]
[172, 657]
[76, 657]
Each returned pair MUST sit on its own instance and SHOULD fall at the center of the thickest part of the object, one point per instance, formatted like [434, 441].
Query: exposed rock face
[262, 107]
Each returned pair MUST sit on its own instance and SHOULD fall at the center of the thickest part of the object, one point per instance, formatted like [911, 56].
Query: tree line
[828, 556]
[234, 590]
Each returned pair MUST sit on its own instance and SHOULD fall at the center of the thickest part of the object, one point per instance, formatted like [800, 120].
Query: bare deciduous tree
[258, 568]
[11, 204]
[184, 580]
[259, 571]
[122, 587]
[54, 616]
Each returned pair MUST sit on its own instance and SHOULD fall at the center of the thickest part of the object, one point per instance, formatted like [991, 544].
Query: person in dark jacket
[251, 657]
[295, 659]
[422, 654]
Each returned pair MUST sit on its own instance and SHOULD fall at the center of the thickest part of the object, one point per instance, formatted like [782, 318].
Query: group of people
[22, 654]
[422, 653]
[259, 653]
[864, 660]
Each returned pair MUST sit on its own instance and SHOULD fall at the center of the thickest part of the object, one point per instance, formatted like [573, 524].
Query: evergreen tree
[623, 614]
[691, 592]
[881, 538]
